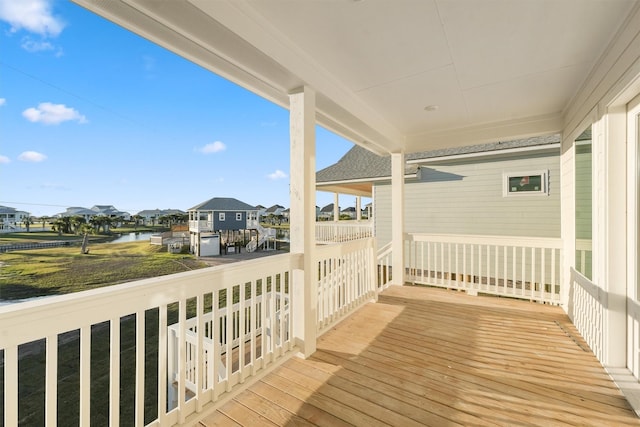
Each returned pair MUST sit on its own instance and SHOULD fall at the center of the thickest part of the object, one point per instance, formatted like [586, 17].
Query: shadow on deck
[424, 356]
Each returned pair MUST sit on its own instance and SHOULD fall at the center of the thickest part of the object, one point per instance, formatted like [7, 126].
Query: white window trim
[221, 216]
[238, 216]
[544, 191]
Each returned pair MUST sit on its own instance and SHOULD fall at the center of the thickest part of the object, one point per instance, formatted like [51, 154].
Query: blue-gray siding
[466, 197]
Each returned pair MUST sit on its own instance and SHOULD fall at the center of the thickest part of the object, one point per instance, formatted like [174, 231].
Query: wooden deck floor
[433, 357]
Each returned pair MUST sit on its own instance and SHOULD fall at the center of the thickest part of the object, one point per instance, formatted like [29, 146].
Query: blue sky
[91, 114]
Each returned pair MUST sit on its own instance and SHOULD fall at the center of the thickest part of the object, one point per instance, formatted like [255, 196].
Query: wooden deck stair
[424, 356]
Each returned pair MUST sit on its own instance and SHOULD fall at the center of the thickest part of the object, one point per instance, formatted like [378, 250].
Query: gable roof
[223, 204]
[361, 164]
[358, 163]
[274, 208]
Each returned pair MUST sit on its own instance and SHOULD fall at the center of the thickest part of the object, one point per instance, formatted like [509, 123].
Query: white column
[336, 207]
[302, 216]
[358, 208]
[612, 143]
[397, 218]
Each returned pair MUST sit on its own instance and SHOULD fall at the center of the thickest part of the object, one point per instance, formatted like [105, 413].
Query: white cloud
[4, 159]
[213, 147]
[53, 186]
[2, 101]
[34, 16]
[32, 46]
[53, 114]
[31, 156]
[278, 174]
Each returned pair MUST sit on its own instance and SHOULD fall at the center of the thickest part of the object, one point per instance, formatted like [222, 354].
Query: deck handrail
[343, 231]
[345, 279]
[46, 319]
[586, 309]
[519, 267]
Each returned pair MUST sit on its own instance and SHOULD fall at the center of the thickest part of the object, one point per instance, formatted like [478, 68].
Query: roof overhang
[492, 70]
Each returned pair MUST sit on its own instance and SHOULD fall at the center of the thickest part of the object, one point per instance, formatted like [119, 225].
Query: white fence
[346, 279]
[343, 231]
[153, 371]
[518, 267]
[383, 264]
[257, 331]
[586, 309]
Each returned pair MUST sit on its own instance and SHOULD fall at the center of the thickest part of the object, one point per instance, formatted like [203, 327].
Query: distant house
[350, 211]
[151, 216]
[97, 210]
[220, 220]
[503, 188]
[111, 212]
[10, 218]
[275, 213]
[326, 213]
[275, 210]
[85, 213]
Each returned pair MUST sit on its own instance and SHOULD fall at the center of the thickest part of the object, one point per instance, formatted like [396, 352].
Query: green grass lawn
[63, 270]
[31, 273]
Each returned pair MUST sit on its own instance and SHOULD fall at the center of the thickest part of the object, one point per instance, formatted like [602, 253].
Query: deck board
[425, 356]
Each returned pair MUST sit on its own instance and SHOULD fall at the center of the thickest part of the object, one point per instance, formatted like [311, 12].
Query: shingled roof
[223, 204]
[359, 163]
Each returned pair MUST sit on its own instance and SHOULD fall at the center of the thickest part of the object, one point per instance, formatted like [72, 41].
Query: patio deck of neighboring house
[426, 356]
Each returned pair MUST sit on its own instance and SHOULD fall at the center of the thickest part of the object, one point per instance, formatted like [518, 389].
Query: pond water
[132, 237]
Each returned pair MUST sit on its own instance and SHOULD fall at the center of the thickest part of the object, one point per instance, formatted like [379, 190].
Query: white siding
[466, 197]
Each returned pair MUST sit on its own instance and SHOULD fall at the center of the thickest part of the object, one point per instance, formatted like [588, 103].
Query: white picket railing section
[264, 236]
[343, 231]
[586, 309]
[518, 267]
[346, 279]
[384, 262]
[231, 343]
[258, 292]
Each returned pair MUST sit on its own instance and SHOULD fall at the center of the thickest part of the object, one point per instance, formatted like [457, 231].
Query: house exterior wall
[230, 222]
[466, 197]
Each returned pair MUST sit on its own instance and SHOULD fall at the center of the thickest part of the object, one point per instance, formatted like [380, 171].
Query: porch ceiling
[497, 69]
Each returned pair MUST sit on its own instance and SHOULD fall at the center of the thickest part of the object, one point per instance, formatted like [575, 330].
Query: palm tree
[77, 221]
[137, 218]
[26, 220]
[85, 230]
[44, 220]
[62, 225]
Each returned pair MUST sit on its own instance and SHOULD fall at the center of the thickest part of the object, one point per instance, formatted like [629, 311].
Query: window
[238, 216]
[526, 183]
[221, 216]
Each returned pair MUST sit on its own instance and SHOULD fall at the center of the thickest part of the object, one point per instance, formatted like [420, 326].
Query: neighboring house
[221, 217]
[462, 190]
[326, 213]
[10, 218]
[151, 216]
[97, 210]
[350, 211]
[111, 212]
[261, 210]
[85, 213]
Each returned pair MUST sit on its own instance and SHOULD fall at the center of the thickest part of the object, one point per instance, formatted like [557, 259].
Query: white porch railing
[148, 354]
[518, 267]
[384, 262]
[233, 342]
[346, 279]
[342, 231]
[198, 226]
[586, 309]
